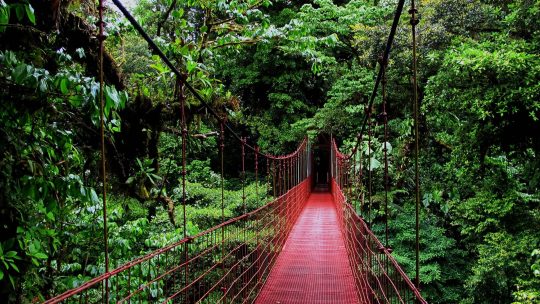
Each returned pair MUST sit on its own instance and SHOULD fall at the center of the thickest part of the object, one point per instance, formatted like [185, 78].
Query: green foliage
[145, 175]
[22, 10]
[8, 264]
[483, 96]
[200, 172]
[440, 260]
[491, 81]
[277, 70]
[529, 292]
[500, 258]
[42, 160]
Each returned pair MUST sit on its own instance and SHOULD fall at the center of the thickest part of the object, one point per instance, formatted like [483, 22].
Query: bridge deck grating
[313, 267]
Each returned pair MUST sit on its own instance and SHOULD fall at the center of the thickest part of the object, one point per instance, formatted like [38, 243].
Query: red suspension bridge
[308, 244]
[304, 246]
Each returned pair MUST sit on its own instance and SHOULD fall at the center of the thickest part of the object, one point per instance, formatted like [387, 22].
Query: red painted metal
[320, 253]
[225, 264]
[313, 266]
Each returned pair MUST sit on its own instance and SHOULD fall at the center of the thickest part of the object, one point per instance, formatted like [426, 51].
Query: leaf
[50, 216]
[40, 255]
[43, 85]
[20, 73]
[191, 65]
[4, 17]
[427, 199]
[160, 68]
[93, 196]
[19, 11]
[374, 164]
[12, 281]
[75, 100]
[30, 13]
[1, 274]
[14, 266]
[64, 86]
[178, 13]
[112, 100]
[80, 52]
[123, 99]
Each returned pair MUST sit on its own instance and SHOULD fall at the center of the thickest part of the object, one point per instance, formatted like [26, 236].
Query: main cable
[414, 21]
[101, 37]
[386, 54]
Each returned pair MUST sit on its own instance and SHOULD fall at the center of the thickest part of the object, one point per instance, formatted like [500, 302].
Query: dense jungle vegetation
[277, 70]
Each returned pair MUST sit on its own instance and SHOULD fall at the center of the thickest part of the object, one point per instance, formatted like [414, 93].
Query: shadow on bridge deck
[313, 266]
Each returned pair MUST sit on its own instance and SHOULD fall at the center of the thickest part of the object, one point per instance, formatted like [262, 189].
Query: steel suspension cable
[244, 279]
[360, 182]
[268, 182]
[257, 217]
[370, 174]
[101, 37]
[274, 186]
[184, 130]
[222, 179]
[355, 182]
[414, 21]
[290, 167]
[348, 177]
[243, 174]
[386, 54]
[184, 172]
[385, 150]
[256, 175]
[175, 148]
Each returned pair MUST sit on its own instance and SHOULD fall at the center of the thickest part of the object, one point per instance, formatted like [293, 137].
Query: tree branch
[165, 17]
[252, 41]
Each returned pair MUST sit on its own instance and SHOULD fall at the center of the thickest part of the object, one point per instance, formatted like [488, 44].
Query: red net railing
[378, 277]
[225, 264]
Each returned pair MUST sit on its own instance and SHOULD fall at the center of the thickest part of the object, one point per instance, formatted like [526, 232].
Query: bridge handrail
[388, 255]
[147, 257]
[154, 253]
[302, 145]
[342, 159]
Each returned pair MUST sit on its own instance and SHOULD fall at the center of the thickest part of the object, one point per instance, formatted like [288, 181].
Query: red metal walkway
[313, 267]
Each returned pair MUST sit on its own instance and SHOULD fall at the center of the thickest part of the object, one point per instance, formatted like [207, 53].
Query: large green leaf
[30, 13]
[374, 163]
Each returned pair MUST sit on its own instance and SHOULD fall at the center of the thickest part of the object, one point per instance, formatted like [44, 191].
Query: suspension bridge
[308, 244]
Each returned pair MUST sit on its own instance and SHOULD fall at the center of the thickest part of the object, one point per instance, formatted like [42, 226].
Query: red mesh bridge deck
[313, 267]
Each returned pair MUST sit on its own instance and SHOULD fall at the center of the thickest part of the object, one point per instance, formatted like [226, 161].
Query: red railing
[378, 277]
[225, 264]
